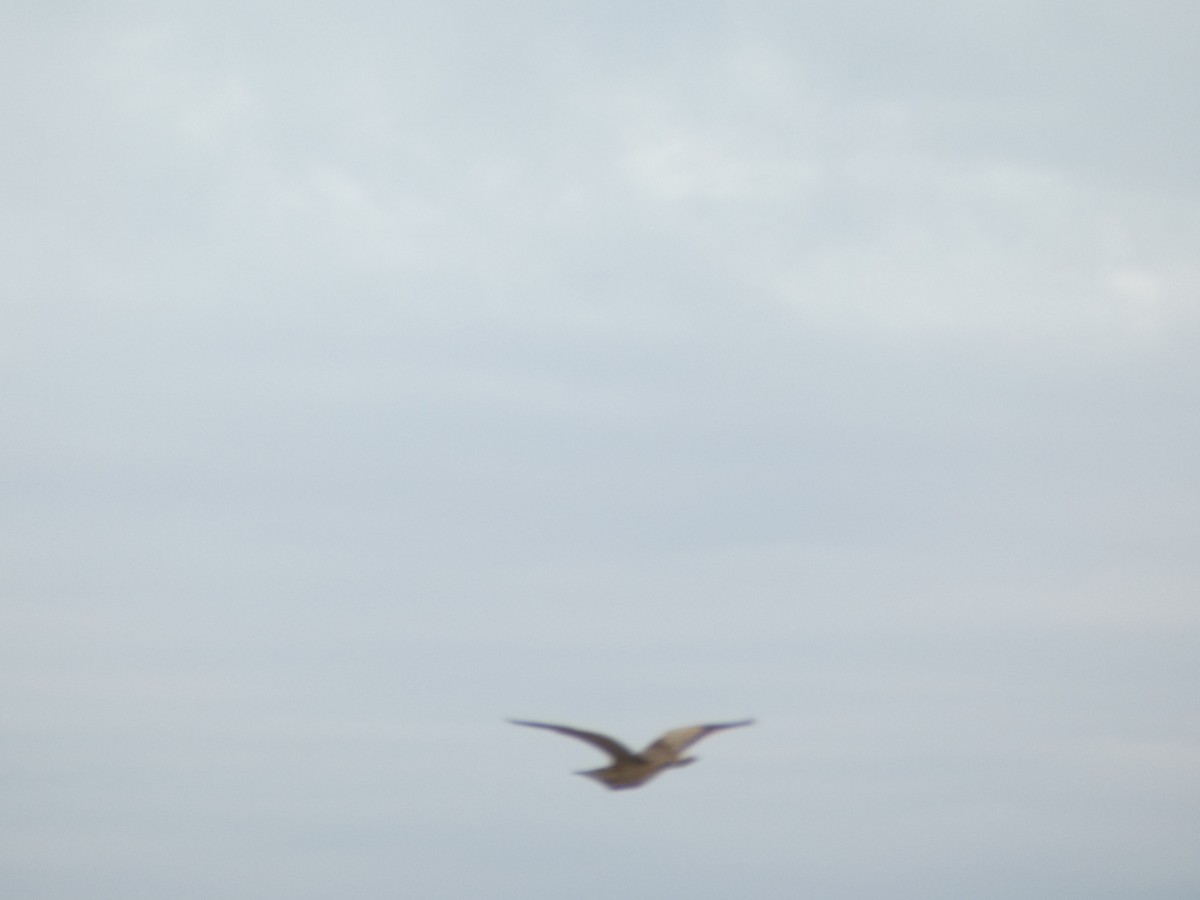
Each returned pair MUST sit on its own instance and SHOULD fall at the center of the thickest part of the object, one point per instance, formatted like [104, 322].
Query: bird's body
[629, 769]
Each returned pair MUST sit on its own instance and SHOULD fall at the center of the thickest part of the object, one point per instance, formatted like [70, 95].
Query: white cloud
[376, 371]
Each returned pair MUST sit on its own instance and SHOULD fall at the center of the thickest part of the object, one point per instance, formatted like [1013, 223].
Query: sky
[376, 372]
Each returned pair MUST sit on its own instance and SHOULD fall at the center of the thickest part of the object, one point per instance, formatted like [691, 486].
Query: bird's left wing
[618, 751]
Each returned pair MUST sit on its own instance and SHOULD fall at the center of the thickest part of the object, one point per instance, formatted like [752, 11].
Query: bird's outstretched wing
[618, 751]
[670, 745]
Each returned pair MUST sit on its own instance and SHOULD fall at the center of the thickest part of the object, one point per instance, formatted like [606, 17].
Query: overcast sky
[376, 371]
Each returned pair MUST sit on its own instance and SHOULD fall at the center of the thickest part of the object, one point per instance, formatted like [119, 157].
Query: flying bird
[629, 769]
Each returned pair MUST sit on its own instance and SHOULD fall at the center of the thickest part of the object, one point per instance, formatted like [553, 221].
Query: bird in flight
[629, 769]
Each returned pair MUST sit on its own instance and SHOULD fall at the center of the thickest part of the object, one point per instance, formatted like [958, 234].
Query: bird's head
[617, 780]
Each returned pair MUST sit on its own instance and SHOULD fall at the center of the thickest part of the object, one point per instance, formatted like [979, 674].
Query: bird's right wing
[671, 744]
[618, 751]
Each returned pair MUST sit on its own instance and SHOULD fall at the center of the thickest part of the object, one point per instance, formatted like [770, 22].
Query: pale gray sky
[378, 371]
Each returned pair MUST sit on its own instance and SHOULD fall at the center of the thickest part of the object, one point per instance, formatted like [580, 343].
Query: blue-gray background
[376, 371]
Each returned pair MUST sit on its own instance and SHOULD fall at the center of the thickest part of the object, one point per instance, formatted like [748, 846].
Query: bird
[629, 769]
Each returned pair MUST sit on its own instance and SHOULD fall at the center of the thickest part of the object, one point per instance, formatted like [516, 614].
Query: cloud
[377, 372]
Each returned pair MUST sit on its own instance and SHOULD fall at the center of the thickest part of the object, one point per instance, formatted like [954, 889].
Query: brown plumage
[631, 769]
